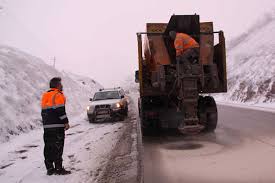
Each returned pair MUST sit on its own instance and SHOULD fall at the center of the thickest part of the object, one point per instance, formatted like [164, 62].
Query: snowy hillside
[23, 78]
[251, 64]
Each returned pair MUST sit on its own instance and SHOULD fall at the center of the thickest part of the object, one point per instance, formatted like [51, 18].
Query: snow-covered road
[86, 152]
[103, 152]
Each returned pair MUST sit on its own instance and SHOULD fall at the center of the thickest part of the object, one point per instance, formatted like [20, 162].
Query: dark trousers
[191, 56]
[53, 150]
[184, 61]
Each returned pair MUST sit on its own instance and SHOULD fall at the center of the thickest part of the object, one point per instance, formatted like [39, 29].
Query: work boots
[62, 171]
[50, 167]
[50, 171]
[59, 169]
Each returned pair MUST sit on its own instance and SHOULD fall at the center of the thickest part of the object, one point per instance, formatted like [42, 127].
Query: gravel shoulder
[125, 161]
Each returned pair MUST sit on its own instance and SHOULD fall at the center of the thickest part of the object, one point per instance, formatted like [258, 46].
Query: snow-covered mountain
[251, 64]
[23, 79]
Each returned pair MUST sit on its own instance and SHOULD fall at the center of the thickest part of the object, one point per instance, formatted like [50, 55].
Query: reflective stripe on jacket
[53, 109]
[183, 42]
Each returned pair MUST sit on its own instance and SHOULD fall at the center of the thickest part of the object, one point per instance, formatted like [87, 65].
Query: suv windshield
[106, 95]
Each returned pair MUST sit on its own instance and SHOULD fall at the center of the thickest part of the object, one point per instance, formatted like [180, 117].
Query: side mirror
[91, 99]
[122, 96]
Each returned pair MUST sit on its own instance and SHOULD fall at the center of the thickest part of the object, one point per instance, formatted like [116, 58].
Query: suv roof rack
[115, 88]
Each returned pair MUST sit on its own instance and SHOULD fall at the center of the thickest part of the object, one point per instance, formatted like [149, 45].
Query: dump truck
[171, 97]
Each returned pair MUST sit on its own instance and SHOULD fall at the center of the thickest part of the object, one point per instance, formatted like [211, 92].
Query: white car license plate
[102, 112]
[103, 116]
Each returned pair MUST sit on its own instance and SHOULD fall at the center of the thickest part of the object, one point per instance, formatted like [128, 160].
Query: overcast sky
[97, 38]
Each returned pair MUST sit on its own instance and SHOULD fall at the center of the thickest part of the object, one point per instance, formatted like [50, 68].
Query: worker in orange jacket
[187, 48]
[55, 122]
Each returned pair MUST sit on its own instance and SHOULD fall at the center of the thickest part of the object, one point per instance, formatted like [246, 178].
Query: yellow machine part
[206, 43]
[155, 50]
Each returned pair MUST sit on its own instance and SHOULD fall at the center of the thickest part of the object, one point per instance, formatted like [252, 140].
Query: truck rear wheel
[211, 114]
[149, 127]
[148, 130]
[145, 130]
[208, 113]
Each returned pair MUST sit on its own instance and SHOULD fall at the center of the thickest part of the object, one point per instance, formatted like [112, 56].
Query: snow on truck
[171, 97]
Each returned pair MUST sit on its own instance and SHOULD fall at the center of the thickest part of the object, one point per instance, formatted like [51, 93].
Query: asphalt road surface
[242, 150]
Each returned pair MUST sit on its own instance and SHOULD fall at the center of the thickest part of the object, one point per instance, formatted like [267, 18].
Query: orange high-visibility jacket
[183, 42]
[53, 109]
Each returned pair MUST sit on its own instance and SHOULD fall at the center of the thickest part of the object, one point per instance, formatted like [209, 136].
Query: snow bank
[251, 64]
[23, 79]
[86, 153]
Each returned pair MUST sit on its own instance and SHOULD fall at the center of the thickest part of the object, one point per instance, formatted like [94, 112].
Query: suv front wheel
[126, 111]
[91, 119]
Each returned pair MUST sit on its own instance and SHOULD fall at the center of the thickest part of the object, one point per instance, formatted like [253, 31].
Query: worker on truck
[187, 48]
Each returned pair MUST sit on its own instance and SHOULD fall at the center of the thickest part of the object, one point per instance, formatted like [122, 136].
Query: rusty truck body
[171, 97]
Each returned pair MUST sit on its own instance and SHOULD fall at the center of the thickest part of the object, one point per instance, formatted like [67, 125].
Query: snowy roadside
[23, 79]
[87, 150]
[125, 163]
[260, 107]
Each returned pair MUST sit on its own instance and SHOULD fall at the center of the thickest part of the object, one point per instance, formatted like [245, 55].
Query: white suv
[108, 104]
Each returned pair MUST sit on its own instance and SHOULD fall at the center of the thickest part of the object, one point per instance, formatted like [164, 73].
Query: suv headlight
[90, 108]
[116, 106]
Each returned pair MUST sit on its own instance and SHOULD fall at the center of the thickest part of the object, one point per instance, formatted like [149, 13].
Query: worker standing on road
[55, 122]
[187, 48]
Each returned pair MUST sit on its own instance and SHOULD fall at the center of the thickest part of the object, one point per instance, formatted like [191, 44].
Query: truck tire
[149, 130]
[211, 114]
[145, 130]
[139, 110]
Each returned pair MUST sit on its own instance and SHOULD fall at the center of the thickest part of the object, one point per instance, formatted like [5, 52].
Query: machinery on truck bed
[176, 98]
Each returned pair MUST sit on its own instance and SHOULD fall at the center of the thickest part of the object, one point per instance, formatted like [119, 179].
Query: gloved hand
[67, 126]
